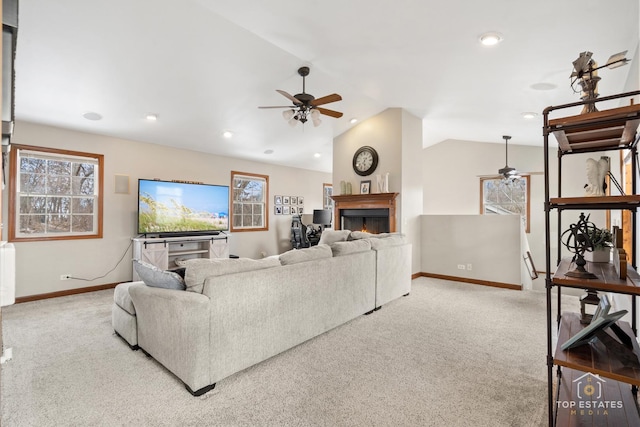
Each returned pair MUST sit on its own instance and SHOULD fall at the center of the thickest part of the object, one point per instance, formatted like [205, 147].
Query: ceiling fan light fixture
[288, 114]
[315, 118]
[490, 38]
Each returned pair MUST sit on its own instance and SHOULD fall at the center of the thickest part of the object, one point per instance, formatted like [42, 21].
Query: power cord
[108, 272]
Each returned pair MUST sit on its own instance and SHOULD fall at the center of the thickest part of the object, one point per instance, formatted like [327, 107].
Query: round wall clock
[365, 161]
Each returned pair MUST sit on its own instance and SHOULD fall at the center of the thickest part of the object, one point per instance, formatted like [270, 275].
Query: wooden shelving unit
[607, 280]
[615, 375]
[606, 392]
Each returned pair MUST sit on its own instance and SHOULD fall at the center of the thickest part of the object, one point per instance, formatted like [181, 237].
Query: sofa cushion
[295, 256]
[199, 269]
[153, 276]
[331, 236]
[393, 240]
[350, 247]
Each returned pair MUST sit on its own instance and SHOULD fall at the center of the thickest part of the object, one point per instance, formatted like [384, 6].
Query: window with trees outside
[505, 196]
[249, 193]
[54, 194]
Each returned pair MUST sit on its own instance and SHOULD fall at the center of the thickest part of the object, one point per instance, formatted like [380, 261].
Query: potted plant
[602, 242]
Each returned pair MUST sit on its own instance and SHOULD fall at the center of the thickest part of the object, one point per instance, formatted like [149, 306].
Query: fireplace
[374, 213]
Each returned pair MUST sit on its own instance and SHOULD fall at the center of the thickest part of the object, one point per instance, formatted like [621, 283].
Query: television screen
[177, 207]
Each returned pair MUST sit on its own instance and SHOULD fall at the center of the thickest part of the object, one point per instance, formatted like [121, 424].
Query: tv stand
[164, 251]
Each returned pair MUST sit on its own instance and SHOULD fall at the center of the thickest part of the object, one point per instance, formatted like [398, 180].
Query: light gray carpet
[450, 354]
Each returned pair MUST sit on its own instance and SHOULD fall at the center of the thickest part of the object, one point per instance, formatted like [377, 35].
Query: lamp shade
[322, 216]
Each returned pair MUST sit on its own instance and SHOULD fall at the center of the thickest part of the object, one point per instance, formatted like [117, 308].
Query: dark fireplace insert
[370, 220]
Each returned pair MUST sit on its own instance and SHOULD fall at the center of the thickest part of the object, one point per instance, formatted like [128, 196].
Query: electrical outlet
[469, 266]
[460, 266]
[65, 276]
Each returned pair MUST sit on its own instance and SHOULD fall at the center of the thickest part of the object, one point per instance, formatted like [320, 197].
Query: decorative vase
[598, 255]
[348, 188]
[343, 187]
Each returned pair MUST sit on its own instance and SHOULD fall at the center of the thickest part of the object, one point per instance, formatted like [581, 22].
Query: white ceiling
[204, 66]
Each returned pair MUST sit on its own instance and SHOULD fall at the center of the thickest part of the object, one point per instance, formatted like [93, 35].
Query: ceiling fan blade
[326, 99]
[283, 106]
[331, 113]
[292, 98]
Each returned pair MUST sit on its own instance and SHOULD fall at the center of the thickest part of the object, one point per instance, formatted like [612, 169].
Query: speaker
[122, 184]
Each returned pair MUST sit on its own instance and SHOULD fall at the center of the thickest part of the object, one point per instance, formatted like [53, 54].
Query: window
[327, 192]
[250, 193]
[54, 194]
[501, 196]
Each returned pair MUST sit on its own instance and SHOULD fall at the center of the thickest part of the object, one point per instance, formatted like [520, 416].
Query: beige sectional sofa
[238, 312]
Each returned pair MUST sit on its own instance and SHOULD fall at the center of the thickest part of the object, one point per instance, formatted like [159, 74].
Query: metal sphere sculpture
[576, 239]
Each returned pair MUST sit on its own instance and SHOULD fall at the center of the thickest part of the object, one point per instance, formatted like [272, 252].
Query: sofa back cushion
[157, 278]
[350, 247]
[392, 240]
[296, 256]
[198, 269]
[331, 236]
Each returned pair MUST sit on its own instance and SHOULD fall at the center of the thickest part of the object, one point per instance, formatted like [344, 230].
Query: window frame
[14, 169]
[527, 179]
[265, 201]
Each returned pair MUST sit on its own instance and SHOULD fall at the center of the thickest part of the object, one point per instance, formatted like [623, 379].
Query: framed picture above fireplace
[365, 187]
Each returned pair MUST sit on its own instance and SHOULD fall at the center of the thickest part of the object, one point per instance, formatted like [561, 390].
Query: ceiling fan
[508, 173]
[305, 105]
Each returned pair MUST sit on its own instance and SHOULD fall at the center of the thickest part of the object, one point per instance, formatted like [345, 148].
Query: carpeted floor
[450, 354]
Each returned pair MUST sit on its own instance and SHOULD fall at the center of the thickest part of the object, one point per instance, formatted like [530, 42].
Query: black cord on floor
[108, 272]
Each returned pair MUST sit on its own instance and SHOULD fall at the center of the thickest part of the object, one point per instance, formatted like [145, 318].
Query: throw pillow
[353, 246]
[153, 276]
[199, 269]
[296, 256]
[331, 236]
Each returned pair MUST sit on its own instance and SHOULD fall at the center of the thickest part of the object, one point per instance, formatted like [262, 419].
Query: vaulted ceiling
[204, 66]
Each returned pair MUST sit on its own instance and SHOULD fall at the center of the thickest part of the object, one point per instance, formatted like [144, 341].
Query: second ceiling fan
[306, 106]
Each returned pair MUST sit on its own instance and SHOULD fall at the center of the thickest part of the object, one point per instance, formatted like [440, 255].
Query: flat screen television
[177, 208]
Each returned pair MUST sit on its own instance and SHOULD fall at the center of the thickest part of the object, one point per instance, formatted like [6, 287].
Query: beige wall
[397, 137]
[40, 264]
[489, 244]
[451, 183]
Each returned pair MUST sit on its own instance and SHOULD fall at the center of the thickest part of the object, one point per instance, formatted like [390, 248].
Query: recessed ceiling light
[543, 86]
[152, 117]
[490, 38]
[354, 120]
[529, 115]
[227, 134]
[268, 151]
[316, 155]
[90, 115]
